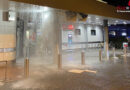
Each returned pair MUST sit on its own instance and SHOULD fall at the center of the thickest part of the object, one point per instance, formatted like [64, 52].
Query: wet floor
[94, 75]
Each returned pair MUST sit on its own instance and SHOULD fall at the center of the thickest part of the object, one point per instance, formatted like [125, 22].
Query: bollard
[26, 68]
[100, 55]
[114, 54]
[125, 59]
[83, 58]
[59, 62]
[125, 51]
[6, 72]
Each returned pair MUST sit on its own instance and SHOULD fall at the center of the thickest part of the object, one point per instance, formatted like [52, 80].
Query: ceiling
[92, 19]
[83, 6]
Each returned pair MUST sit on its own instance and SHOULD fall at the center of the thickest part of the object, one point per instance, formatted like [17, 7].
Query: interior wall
[80, 41]
[7, 27]
[7, 39]
[75, 38]
[99, 33]
[1, 15]
[4, 5]
[85, 34]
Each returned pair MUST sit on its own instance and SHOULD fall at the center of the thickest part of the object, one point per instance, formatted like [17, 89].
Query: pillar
[106, 41]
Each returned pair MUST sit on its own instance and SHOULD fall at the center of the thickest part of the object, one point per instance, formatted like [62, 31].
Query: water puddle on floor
[81, 71]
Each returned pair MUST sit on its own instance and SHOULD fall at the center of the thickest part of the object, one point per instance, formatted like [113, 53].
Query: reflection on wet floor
[81, 71]
[94, 75]
[10, 72]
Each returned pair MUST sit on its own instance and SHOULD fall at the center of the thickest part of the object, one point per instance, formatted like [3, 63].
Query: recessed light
[102, 1]
[89, 17]
[124, 22]
[45, 9]
[116, 21]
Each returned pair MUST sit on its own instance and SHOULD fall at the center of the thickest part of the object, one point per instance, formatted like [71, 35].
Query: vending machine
[69, 40]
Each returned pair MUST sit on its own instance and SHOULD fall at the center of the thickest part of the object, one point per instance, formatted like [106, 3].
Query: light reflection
[90, 71]
[125, 59]
[76, 71]
[45, 9]
[46, 15]
[81, 71]
[27, 34]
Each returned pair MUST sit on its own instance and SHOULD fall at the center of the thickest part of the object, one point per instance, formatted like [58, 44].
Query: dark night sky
[118, 2]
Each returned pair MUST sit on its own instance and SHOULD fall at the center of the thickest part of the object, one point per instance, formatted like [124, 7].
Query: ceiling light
[117, 21]
[124, 34]
[124, 22]
[101, 1]
[89, 17]
[45, 9]
[97, 18]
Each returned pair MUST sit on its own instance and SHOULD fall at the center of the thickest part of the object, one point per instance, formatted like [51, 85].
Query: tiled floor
[95, 75]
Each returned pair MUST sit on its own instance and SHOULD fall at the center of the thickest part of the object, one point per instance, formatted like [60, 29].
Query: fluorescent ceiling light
[101, 1]
[117, 21]
[124, 22]
[124, 34]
